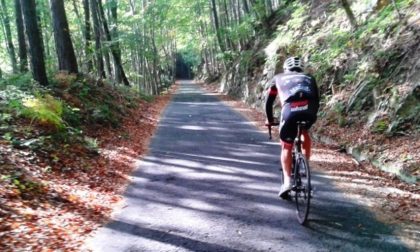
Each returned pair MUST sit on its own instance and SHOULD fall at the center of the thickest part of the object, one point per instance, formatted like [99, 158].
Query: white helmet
[293, 64]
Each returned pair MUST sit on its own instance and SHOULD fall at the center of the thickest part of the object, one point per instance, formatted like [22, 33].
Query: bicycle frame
[302, 190]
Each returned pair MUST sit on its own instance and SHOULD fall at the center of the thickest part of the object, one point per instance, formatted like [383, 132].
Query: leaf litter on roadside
[52, 201]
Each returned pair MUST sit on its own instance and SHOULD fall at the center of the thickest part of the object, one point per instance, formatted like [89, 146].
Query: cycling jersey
[295, 86]
[299, 99]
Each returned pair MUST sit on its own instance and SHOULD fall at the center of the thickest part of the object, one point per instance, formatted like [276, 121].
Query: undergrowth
[53, 119]
[344, 59]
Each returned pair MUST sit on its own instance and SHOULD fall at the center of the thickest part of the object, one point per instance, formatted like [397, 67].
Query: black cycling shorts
[291, 113]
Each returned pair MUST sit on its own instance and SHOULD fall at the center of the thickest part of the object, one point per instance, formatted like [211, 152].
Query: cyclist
[299, 100]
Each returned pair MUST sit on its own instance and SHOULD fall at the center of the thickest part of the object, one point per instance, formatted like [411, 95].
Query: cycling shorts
[292, 112]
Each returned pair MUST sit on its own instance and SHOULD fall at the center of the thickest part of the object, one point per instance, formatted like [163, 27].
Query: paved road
[210, 183]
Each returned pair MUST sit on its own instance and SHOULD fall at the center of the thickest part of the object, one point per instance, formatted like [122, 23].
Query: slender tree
[246, 7]
[115, 50]
[87, 35]
[8, 34]
[97, 31]
[36, 49]
[23, 53]
[114, 35]
[349, 13]
[64, 47]
[217, 26]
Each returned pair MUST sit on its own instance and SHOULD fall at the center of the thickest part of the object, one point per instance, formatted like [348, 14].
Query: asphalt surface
[210, 183]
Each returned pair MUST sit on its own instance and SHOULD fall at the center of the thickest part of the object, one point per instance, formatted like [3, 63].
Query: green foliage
[92, 144]
[19, 81]
[227, 56]
[342, 122]
[350, 77]
[12, 95]
[383, 23]
[145, 97]
[380, 126]
[191, 56]
[103, 115]
[84, 91]
[5, 117]
[71, 116]
[338, 112]
[299, 16]
[8, 136]
[339, 107]
[23, 184]
[44, 108]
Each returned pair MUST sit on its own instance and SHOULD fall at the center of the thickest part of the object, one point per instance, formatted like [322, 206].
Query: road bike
[301, 177]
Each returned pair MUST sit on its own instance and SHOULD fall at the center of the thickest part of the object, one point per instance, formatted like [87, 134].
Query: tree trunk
[36, 49]
[217, 27]
[8, 33]
[269, 7]
[87, 35]
[64, 47]
[44, 19]
[349, 13]
[114, 34]
[23, 53]
[246, 7]
[116, 53]
[97, 31]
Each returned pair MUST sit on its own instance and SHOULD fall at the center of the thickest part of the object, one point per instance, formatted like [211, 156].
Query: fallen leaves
[77, 190]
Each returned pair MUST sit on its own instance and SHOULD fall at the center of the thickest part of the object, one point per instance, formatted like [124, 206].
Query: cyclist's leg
[288, 133]
[286, 161]
[306, 144]
[310, 117]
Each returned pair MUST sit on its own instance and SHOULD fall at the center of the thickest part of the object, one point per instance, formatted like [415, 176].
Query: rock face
[368, 78]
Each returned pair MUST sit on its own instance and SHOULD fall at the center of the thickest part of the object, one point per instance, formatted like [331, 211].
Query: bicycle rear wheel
[303, 188]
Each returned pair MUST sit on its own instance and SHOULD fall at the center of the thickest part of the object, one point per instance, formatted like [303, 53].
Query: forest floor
[45, 208]
[392, 200]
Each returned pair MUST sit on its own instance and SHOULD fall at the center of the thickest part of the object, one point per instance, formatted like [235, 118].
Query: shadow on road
[210, 183]
[166, 237]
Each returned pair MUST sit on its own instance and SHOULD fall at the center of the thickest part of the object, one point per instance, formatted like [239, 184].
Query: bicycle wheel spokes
[303, 189]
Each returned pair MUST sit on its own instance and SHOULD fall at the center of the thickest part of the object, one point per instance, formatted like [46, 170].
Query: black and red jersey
[298, 93]
[294, 86]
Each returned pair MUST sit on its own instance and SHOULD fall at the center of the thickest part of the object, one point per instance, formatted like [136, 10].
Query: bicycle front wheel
[303, 188]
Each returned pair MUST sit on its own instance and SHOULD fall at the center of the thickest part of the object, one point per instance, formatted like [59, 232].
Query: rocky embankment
[368, 76]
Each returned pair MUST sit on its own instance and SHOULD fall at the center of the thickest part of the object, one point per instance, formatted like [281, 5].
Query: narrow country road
[210, 183]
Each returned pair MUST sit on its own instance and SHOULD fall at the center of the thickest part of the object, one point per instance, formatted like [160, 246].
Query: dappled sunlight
[192, 127]
[192, 104]
[200, 205]
[121, 157]
[219, 158]
[241, 154]
[328, 156]
[181, 162]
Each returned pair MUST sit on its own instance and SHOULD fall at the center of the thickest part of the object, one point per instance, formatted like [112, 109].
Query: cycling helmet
[293, 64]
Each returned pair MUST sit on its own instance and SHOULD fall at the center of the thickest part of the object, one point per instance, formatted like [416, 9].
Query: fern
[45, 109]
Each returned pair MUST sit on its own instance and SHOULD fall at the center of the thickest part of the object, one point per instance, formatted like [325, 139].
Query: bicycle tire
[303, 188]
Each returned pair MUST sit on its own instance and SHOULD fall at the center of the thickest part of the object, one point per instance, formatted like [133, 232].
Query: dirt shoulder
[45, 210]
[393, 201]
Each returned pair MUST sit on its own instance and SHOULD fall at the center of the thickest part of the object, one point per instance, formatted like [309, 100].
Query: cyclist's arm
[271, 97]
